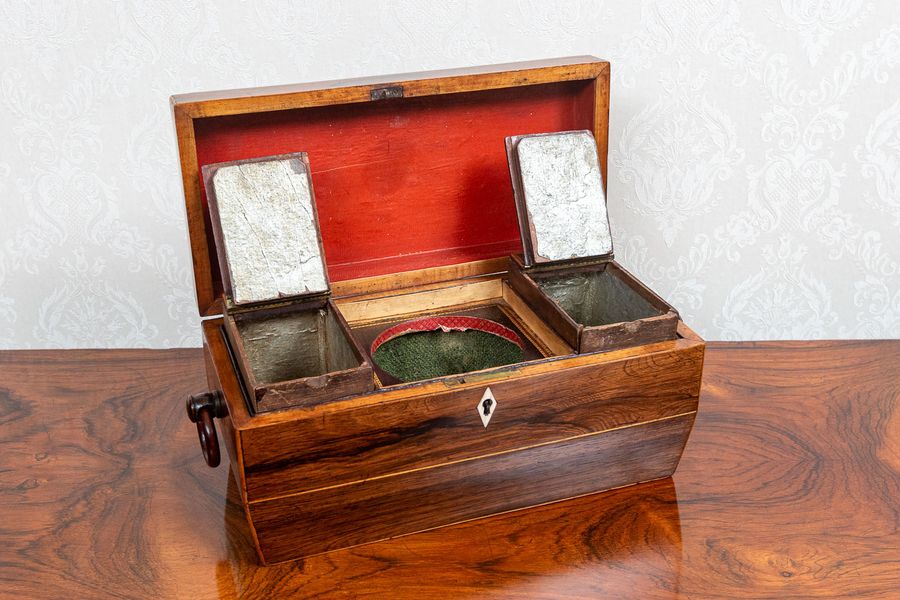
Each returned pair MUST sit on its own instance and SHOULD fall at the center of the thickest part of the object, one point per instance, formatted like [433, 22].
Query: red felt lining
[447, 323]
[408, 183]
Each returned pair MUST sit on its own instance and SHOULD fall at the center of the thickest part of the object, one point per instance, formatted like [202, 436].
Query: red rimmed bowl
[445, 345]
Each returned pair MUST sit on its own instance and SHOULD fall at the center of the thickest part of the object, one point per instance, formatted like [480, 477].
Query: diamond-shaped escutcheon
[487, 406]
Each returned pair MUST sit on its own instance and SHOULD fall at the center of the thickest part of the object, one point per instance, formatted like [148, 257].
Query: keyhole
[487, 406]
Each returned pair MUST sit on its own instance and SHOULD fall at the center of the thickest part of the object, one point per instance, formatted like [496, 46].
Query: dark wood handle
[202, 409]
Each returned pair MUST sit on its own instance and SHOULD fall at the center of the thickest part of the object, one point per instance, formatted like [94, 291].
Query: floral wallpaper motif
[754, 148]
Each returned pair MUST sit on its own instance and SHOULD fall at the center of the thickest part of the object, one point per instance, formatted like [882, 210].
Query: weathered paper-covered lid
[264, 220]
[560, 197]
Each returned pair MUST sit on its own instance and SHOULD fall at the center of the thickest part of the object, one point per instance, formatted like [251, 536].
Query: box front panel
[296, 526]
[374, 438]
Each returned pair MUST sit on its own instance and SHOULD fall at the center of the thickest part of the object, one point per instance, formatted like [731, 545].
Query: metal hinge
[391, 91]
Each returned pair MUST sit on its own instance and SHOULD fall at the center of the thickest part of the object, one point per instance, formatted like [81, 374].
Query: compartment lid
[264, 220]
[409, 170]
[560, 197]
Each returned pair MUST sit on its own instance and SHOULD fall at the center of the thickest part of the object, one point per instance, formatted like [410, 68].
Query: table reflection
[622, 543]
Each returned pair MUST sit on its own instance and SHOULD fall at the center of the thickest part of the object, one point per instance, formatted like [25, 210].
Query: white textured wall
[754, 148]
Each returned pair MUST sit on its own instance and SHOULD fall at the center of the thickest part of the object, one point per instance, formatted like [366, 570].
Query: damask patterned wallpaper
[754, 156]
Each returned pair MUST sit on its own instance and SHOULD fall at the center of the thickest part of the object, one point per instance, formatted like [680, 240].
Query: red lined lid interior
[405, 184]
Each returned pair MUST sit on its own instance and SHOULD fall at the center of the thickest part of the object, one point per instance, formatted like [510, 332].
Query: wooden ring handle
[209, 439]
[202, 410]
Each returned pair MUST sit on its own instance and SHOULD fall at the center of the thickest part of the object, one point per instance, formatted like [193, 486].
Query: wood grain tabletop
[789, 488]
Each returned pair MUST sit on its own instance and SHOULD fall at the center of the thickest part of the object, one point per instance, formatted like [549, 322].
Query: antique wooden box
[410, 186]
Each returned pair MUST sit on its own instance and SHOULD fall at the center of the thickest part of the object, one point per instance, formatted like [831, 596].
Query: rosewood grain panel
[625, 543]
[95, 453]
[400, 504]
[380, 438]
[788, 488]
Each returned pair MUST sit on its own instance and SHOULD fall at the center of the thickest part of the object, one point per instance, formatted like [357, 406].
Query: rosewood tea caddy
[331, 222]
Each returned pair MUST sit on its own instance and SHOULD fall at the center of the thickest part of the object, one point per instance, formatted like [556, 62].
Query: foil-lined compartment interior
[286, 346]
[596, 297]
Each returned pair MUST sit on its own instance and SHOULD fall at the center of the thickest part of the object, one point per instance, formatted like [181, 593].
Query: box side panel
[376, 439]
[224, 428]
[300, 525]
[222, 377]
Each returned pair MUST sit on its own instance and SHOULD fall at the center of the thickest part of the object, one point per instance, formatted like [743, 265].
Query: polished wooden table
[789, 488]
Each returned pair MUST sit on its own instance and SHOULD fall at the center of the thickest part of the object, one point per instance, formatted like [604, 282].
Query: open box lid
[409, 170]
[560, 197]
[263, 214]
